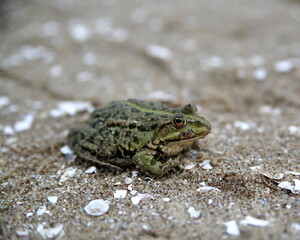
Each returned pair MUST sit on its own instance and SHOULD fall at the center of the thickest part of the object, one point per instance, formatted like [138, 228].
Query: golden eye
[178, 121]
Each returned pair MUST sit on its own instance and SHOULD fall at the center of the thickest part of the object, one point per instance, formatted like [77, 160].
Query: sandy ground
[239, 61]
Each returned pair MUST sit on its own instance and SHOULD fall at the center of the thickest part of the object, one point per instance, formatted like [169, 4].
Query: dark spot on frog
[91, 138]
[135, 110]
[132, 125]
[97, 122]
[153, 126]
[135, 139]
[123, 116]
[116, 133]
[81, 135]
[149, 113]
[142, 128]
[128, 134]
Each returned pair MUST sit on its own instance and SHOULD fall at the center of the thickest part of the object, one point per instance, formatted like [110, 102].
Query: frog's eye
[178, 121]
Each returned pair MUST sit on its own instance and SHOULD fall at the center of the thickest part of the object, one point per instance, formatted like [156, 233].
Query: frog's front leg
[146, 162]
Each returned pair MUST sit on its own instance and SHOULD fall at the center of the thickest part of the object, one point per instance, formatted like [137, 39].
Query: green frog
[144, 133]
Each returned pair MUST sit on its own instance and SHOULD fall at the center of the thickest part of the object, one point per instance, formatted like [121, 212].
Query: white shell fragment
[206, 165]
[79, 32]
[296, 226]
[68, 174]
[66, 150]
[260, 74]
[97, 207]
[244, 126]
[4, 101]
[42, 210]
[284, 65]
[193, 212]
[22, 232]
[49, 232]
[91, 169]
[293, 188]
[120, 193]
[24, 124]
[128, 180]
[293, 173]
[136, 200]
[190, 166]
[275, 176]
[232, 228]
[294, 130]
[52, 199]
[28, 215]
[71, 108]
[207, 189]
[161, 95]
[251, 221]
[159, 52]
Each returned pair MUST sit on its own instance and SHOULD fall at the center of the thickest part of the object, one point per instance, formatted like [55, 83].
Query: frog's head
[182, 129]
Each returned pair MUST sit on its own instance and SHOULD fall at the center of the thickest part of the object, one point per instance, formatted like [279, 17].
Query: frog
[147, 134]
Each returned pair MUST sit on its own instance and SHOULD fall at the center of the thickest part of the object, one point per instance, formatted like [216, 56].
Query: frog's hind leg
[78, 140]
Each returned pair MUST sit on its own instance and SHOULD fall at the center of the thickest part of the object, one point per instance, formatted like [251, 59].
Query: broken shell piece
[288, 185]
[96, 207]
[189, 166]
[91, 169]
[49, 232]
[232, 228]
[251, 221]
[207, 189]
[120, 194]
[275, 176]
[193, 212]
[136, 200]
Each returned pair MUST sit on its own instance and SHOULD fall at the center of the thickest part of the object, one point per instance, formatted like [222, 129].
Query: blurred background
[223, 54]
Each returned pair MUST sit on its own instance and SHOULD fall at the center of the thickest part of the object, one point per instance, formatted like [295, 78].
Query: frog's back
[132, 110]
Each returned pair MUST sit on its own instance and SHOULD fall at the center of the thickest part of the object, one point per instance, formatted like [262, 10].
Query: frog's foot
[146, 162]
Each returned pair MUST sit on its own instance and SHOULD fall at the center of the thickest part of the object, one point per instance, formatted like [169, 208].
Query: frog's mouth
[191, 135]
